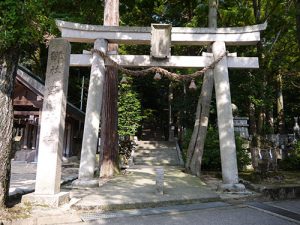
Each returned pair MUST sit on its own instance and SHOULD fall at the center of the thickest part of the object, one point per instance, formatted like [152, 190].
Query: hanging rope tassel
[124, 80]
[192, 86]
[157, 76]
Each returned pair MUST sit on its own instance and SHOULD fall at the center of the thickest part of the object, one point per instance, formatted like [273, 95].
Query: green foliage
[149, 116]
[211, 157]
[292, 161]
[129, 111]
[129, 119]
[22, 24]
[185, 142]
[242, 154]
[125, 149]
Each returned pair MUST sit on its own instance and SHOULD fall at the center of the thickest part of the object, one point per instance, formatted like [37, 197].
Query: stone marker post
[159, 185]
[92, 119]
[225, 121]
[48, 177]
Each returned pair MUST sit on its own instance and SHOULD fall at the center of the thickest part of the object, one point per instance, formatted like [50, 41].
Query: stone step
[156, 155]
[155, 144]
[155, 150]
[157, 163]
[149, 147]
[165, 158]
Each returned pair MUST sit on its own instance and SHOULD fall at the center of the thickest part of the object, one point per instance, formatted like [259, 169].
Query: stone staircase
[156, 153]
[151, 132]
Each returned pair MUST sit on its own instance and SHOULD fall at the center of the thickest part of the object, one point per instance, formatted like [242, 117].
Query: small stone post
[48, 177]
[225, 121]
[159, 186]
[92, 119]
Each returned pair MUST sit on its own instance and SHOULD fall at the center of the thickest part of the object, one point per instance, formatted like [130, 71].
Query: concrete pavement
[131, 198]
[23, 176]
[136, 189]
[214, 213]
[230, 215]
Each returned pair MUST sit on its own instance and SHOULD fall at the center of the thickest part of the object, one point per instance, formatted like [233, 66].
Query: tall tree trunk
[259, 48]
[196, 145]
[109, 163]
[7, 78]
[280, 108]
[298, 21]
[252, 118]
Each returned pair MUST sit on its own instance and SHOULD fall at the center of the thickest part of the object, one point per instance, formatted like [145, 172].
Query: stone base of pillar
[81, 183]
[231, 188]
[51, 200]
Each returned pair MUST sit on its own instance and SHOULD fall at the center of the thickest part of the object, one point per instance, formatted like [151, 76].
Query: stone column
[25, 138]
[34, 134]
[38, 135]
[92, 119]
[48, 177]
[225, 121]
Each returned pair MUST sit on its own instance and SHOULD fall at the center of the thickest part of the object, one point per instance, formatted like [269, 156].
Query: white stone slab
[53, 118]
[55, 200]
[85, 60]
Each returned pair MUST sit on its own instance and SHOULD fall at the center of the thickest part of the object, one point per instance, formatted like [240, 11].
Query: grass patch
[16, 212]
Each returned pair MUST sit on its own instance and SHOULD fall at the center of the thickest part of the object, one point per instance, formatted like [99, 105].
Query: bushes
[211, 159]
[185, 142]
[292, 161]
[129, 119]
[211, 156]
[243, 156]
[129, 111]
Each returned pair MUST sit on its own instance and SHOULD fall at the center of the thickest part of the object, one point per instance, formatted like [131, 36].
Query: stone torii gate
[161, 37]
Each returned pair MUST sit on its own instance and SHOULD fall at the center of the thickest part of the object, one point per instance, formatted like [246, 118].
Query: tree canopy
[28, 24]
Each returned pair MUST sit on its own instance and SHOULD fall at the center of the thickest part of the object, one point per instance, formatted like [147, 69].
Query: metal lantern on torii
[161, 37]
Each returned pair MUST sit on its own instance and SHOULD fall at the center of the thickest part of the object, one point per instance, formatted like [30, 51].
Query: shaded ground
[273, 178]
[23, 177]
[137, 189]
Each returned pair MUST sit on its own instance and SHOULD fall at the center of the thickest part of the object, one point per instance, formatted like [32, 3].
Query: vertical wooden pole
[196, 145]
[109, 120]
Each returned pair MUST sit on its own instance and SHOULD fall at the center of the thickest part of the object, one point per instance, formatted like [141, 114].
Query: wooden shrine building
[28, 103]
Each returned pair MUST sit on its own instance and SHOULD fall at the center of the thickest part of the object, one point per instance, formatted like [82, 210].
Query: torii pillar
[225, 122]
[92, 120]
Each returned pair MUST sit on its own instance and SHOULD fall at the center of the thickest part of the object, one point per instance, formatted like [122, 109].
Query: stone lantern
[296, 128]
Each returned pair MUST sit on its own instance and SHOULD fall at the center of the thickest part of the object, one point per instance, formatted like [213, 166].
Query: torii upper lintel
[76, 32]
